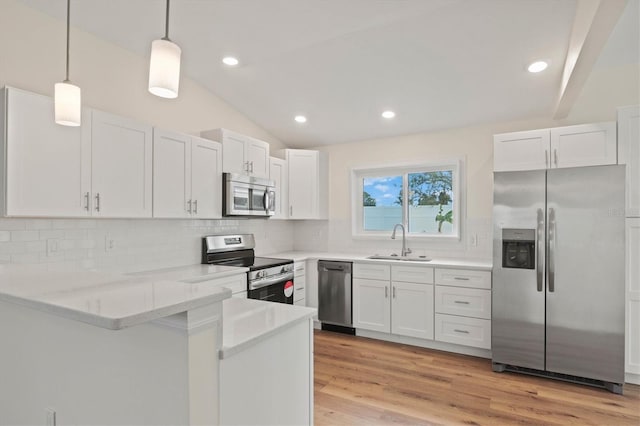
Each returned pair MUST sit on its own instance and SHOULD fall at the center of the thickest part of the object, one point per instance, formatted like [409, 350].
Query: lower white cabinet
[299, 283]
[463, 307]
[632, 349]
[390, 305]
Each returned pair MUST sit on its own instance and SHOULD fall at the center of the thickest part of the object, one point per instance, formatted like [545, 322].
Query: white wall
[604, 91]
[115, 80]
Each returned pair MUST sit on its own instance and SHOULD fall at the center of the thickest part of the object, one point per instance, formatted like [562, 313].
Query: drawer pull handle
[460, 331]
[461, 302]
[461, 278]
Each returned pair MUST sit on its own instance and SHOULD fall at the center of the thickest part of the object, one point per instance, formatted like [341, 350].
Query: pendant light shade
[164, 66]
[68, 105]
[67, 97]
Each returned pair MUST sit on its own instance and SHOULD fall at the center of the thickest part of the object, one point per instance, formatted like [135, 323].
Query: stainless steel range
[269, 279]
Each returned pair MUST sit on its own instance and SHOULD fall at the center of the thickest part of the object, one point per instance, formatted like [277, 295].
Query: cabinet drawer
[412, 274]
[468, 302]
[298, 269]
[300, 302]
[298, 293]
[372, 271]
[299, 282]
[463, 331]
[463, 278]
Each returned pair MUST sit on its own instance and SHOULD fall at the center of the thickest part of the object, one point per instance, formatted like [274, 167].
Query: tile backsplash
[127, 245]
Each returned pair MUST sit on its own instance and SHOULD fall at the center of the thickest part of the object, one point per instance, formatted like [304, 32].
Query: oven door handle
[270, 281]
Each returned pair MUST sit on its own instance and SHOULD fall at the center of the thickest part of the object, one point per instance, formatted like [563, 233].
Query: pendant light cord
[166, 25]
[68, 21]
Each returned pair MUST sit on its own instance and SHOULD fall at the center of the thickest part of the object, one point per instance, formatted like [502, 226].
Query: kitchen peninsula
[102, 348]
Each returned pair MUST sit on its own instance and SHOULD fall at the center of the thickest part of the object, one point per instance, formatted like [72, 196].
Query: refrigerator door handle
[551, 250]
[540, 247]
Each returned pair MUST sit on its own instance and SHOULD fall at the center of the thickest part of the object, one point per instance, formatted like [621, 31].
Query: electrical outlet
[109, 243]
[473, 240]
[51, 417]
[53, 245]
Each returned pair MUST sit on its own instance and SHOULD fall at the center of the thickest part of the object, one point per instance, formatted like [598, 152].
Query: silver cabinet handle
[386, 292]
[252, 167]
[394, 291]
[555, 156]
[246, 166]
[460, 331]
[551, 267]
[461, 302]
[461, 278]
[540, 251]
[97, 201]
[87, 197]
[195, 206]
[189, 206]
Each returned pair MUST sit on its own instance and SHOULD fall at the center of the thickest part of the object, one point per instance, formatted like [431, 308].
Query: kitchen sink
[400, 258]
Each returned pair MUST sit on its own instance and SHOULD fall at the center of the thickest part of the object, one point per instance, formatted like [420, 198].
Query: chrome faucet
[405, 250]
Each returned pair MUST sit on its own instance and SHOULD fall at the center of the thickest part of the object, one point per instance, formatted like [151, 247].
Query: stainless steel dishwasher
[334, 294]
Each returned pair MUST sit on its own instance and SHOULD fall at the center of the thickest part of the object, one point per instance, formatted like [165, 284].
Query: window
[424, 198]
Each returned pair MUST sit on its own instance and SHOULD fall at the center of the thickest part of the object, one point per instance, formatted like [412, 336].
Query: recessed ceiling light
[300, 119]
[388, 114]
[538, 66]
[230, 60]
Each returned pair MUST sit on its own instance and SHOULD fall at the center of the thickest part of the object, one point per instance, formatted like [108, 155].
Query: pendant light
[67, 98]
[164, 67]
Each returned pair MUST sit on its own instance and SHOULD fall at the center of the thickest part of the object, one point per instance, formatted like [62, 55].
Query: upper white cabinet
[47, 167]
[121, 166]
[102, 168]
[187, 176]
[241, 154]
[570, 146]
[629, 154]
[308, 184]
[278, 174]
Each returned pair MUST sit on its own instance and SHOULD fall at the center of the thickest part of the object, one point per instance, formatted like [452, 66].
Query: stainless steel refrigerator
[558, 274]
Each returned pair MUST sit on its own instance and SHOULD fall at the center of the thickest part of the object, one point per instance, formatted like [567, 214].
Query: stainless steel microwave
[247, 196]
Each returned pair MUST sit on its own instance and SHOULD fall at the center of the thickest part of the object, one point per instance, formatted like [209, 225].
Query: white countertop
[350, 257]
[246, 322]
[105, 300]
[191, 273]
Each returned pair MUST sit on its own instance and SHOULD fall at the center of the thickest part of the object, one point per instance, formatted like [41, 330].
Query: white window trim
[358, 173]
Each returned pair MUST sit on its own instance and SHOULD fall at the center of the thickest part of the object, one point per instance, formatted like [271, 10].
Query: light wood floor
[361, 381]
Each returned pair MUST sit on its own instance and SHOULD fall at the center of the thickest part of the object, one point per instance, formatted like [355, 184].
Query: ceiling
[437, 63]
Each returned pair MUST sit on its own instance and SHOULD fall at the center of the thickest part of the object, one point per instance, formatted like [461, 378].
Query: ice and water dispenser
[519, 248]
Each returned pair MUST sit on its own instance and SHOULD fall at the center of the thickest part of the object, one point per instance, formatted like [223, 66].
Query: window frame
[358, 174]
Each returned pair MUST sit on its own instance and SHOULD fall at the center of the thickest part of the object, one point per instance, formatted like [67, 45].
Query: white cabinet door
[278, 174]
[521, 151]
[121, 159]
[584, 145]
[633, 296]
[629, 154]
[257, 154]
[412, 309]
[311, 282]
[371, 305]
[233, 159]
[171, 174]
[303, 183]
[206, 179]
[48, 166]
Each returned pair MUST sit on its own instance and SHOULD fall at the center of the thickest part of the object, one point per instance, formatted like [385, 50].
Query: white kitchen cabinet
[187, 177]
[632, 344]
[240, 153]
[278, 174]
[308, 184]
[463, 307]
[371, 304]
[121, 166]
[47, 167]
[629, 154]
[569, 146]
[299, 283]
[393, 299]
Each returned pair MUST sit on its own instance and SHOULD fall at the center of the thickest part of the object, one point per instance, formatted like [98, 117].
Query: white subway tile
[10, 224]
[5, 236]
[54, 233]
[64, 223]
[25, 235]
[38, 224]
[23, 258]
[35, 246]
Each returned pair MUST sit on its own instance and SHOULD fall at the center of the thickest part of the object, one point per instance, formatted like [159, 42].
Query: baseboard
[429, 344]
[632, 378]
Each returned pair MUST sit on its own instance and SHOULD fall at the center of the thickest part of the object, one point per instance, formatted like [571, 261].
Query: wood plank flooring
[361, 381]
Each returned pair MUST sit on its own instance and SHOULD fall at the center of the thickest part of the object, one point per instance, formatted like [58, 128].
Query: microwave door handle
[266, 201]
